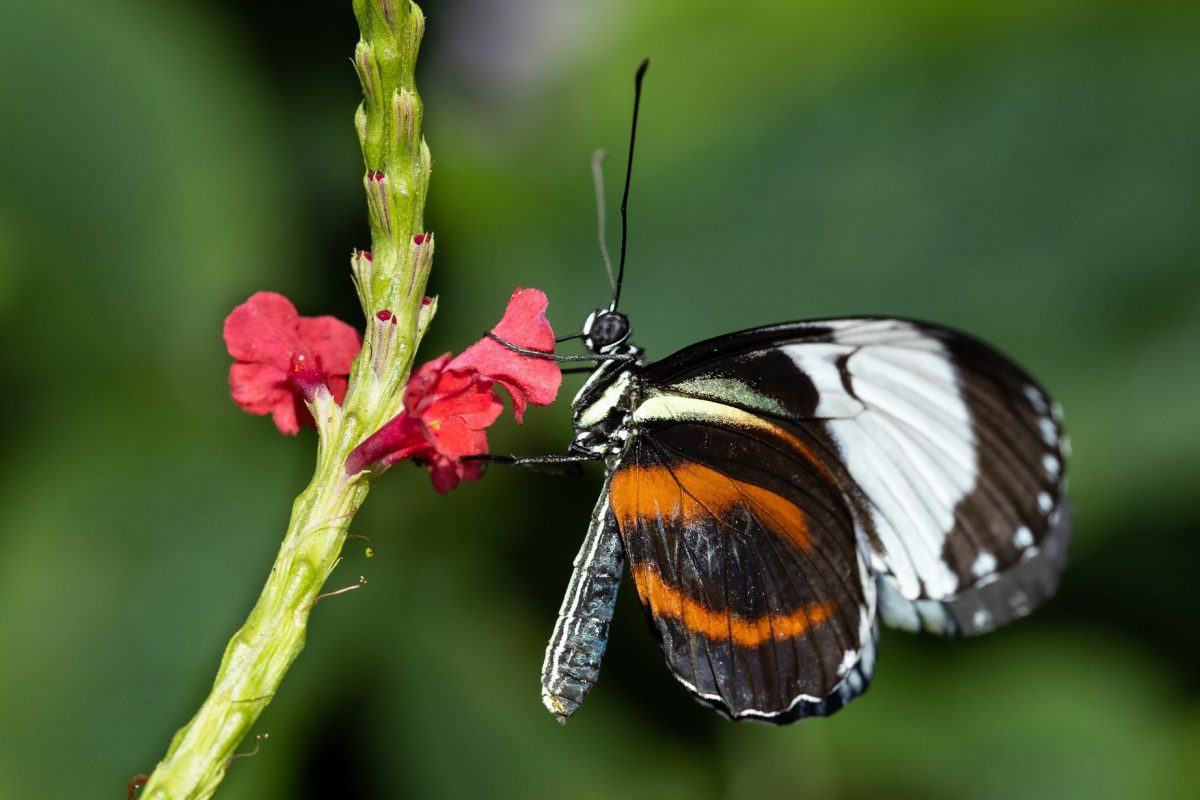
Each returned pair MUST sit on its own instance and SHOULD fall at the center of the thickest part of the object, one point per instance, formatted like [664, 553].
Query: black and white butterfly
[777, 491]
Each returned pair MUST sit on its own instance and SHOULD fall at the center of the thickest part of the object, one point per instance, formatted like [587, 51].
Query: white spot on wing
[984, 564]
[1045, 502]
[1023, 537]
[1050, 463]
[1036, 399]
[1019, 602]
[1049, 432]
[849, 659]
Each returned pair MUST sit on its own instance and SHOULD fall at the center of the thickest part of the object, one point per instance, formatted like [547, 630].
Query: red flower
[445, 415]
[283, 359]
[448, 404]
[527, 379]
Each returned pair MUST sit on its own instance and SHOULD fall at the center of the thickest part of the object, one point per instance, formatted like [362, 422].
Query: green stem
[393, 278]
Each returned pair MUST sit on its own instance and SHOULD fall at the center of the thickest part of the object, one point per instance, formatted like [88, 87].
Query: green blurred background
[1029, 171]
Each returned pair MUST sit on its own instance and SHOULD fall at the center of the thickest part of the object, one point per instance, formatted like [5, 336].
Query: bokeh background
[1029, 171]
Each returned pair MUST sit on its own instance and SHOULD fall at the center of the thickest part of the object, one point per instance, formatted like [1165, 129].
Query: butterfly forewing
[949, 454]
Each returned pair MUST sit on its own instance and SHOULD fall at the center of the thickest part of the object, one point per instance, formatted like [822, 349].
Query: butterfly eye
[607, 328]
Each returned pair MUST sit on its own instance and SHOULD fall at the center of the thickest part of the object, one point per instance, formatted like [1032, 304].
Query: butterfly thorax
[603, 407]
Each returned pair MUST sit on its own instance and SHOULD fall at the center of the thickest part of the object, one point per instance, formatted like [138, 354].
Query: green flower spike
[390, 280]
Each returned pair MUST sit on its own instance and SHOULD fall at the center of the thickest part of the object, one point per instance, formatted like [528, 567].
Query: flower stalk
[390, 280]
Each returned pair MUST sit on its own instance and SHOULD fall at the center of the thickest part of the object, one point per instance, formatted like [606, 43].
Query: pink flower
[448, 404]
[282, 359]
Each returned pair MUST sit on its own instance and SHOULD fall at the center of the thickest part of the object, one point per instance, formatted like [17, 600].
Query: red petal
[446, 473]
[435, 393]
[333, 342]
[263, 389]
[263, 330]
[422, 381]
[527, 378]
[475, 403]
[337, 388]
[454, 438]
[289, 415]
[401, 437]
[257, 388]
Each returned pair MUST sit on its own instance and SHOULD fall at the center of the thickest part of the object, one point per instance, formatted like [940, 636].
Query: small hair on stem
[258, 740]
[352, 587]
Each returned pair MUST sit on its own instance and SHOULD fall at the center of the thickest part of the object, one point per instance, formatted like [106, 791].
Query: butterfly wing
[951, 456]
[743, 551]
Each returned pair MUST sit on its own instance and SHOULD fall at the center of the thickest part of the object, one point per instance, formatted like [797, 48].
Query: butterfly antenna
[637, 99]
[598, 181]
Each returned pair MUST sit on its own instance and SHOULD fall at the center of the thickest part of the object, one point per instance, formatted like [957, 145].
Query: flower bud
[360, 125]
[387, 9]
[425, 315]
[362, 266]
[421, 259]
[406, 109]
[368, 73]
[383, 342]
[377, 199]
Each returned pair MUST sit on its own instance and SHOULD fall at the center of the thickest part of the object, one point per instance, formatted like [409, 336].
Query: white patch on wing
[905, 436]
[896, 611]
[819, 360]
[735, 391]
[664, 407]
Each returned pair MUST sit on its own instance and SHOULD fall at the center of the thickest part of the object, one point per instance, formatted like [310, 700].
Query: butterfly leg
[555, 464]
[581, 633]
[594, 357]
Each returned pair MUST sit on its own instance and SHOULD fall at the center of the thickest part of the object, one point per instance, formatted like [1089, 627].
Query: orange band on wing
[804, 449]
[693, 491]
[665, 600]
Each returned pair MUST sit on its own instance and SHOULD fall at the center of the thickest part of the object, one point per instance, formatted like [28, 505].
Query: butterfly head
[604, 329]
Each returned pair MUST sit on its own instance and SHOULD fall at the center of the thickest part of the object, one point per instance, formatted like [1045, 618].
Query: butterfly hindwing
[951, 456]
[744, 556]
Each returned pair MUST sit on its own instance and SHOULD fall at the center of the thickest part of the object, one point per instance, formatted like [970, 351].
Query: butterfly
[779, 491]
